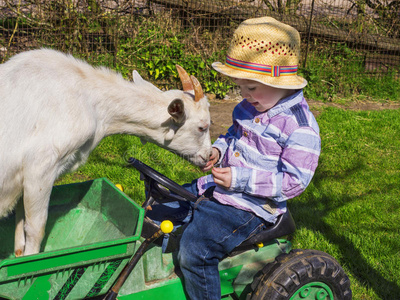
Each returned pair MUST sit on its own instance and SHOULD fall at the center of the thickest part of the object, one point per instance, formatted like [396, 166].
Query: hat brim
[291, 82]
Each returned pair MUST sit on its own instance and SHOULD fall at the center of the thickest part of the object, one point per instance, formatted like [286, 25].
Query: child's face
[261, 96]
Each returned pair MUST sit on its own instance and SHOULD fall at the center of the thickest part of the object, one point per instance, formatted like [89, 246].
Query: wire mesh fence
[339, 37]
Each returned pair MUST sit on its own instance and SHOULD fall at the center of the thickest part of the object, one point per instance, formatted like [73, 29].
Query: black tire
[301, 271]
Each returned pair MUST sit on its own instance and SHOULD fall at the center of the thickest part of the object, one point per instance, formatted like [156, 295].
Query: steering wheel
[159, 186]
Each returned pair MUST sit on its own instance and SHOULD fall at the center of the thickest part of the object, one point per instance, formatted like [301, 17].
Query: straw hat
[264, 50]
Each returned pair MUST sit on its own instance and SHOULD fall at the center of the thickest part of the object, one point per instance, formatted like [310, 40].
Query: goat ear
[177, 110]
[136, 77]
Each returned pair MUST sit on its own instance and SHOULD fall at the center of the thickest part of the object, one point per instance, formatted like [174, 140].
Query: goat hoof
[18, 253]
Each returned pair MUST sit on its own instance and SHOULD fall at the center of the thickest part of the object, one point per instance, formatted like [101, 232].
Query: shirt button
[245, 134]
[237, 154]
[257, 120]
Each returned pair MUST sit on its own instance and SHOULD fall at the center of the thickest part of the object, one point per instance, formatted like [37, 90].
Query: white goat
[55, 110]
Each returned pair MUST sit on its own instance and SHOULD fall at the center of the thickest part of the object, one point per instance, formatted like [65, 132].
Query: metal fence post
[309, 33]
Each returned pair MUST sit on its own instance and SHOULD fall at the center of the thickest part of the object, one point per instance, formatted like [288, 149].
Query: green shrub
[337, 71]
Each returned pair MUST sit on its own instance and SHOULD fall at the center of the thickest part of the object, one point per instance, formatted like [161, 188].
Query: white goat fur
[55, 110]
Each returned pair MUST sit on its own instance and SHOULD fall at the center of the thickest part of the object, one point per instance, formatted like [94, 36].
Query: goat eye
[204, 126]
[202, 129]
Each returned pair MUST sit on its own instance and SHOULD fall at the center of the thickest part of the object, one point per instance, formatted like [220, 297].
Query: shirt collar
[280, 107]
[285, 104]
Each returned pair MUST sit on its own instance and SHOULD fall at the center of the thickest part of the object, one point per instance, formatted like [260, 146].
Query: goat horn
[185, 79]
[198, 91]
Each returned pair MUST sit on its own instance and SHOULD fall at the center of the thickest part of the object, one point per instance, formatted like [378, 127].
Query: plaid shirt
[273, 156]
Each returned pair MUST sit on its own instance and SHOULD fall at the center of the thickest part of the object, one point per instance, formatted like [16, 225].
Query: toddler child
[268, 155]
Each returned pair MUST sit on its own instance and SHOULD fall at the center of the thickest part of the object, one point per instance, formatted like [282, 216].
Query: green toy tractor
[100, 245]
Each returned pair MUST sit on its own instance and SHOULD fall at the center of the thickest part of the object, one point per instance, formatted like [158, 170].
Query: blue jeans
[212, 232]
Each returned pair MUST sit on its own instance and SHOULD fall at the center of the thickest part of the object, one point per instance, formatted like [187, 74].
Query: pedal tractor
[100, 245]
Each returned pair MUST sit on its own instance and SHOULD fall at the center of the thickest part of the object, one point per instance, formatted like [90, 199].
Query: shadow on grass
[310, 213]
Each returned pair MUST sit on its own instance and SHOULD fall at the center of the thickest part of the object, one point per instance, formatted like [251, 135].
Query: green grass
[109, 160]
[351, 209]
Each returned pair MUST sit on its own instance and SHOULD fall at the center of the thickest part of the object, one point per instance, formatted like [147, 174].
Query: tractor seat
[284, 226]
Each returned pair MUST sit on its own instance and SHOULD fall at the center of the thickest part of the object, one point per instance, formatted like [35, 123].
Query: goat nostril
[205, 159]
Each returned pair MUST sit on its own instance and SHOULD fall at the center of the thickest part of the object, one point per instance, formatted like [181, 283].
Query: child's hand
[222, 176]
[213, 160]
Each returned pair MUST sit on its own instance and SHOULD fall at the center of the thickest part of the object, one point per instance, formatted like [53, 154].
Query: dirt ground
[221, 111]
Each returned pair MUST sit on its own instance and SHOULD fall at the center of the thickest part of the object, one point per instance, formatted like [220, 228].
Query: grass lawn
[351, 209]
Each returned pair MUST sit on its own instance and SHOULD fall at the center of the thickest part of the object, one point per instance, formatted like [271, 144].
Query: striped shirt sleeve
[297, 164]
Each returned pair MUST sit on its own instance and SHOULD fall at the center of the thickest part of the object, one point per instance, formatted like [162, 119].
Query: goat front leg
[36, 204]
[19, 240]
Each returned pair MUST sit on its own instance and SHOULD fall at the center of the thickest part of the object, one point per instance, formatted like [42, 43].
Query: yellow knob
[166, 226]
[260, 245]
[119, 186]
